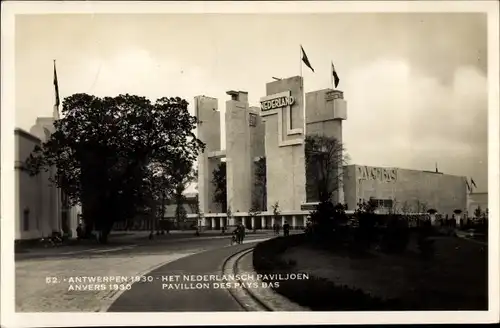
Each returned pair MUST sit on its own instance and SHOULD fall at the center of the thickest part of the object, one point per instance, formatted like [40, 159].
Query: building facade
[278, 131]
[275, 131]
[410, 191]
[40, 207]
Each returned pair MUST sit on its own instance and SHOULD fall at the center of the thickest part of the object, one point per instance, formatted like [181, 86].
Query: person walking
[235, 235]
[242, 232]
[286, 229]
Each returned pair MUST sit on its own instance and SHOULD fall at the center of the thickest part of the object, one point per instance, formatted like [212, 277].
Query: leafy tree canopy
[111, 152]
[325, 160]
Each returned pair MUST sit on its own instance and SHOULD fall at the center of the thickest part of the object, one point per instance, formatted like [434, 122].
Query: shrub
[425, 244]
[396, 235]
[320, 294]
[328, 223]
[366, 233]
[266, 255]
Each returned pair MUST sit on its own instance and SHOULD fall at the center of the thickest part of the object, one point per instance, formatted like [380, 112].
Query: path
[150, 297]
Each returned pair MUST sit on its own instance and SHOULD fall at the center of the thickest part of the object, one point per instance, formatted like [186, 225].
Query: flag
[305, 59]
[336, 79]
[473, 183]
[468, 185]
[56, 85]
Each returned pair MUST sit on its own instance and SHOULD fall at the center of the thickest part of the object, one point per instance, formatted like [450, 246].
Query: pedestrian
[243, 232]
[286, 229]
[79, 232]
[234, 236]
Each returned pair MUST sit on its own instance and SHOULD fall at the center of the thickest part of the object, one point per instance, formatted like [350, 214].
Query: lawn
[455, 279]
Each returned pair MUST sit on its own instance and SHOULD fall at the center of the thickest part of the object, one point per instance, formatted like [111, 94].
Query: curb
[114, 295]
[270, 299]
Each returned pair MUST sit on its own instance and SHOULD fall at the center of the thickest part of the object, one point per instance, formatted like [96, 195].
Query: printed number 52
[51, 280]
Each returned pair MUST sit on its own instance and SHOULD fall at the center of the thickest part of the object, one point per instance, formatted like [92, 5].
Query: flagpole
[331, 75]
[300, 60]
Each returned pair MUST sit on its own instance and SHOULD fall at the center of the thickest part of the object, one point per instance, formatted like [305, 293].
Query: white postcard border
[12, 319]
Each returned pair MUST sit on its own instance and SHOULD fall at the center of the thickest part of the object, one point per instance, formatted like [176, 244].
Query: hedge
[318, 294]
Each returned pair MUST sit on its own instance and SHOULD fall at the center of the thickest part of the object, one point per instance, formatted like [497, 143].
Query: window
[387, 203]
[26, 219]
[253, 119]
[383, 203]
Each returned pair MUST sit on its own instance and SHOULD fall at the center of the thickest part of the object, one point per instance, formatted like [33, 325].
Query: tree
[276, 212]
[103, 149]
[260, 185]
[229, 214]
[254, 211]
[180, 187]
[219, 182]
[421, 207]
[405, 208]
[195, 205]
[325, 160]
[478, 212]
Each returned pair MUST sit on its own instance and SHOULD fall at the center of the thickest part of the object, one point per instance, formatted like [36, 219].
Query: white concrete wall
[258, 150]
[238, 153]
[325, 111]
[51, 195]
[206, 110]
[443, 192]
[257, 135]
[285, 151]
[37, 194]
[32, 193]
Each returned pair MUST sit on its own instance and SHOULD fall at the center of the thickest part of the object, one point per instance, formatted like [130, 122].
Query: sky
[415, 84]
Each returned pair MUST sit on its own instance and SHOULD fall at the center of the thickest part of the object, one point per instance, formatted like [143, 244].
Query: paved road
[151, 297]
[34, 294]
[139, 246]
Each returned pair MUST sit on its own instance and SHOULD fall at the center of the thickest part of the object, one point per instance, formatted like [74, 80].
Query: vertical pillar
[253, 223]
[239, 162]
[213, 224]
[208, 115]
[325, 111]
[221, 221]
[283, 220]
[282, 110]
[294, 222]
[263, 222]
[273, 221]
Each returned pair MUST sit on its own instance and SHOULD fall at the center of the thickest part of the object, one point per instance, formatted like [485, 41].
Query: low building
[404, 190]
[40, 207]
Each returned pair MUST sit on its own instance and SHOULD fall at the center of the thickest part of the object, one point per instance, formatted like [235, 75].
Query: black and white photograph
[332, 162]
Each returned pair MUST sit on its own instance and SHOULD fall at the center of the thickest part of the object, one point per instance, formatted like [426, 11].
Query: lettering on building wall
[277, 103]
[377, 173]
